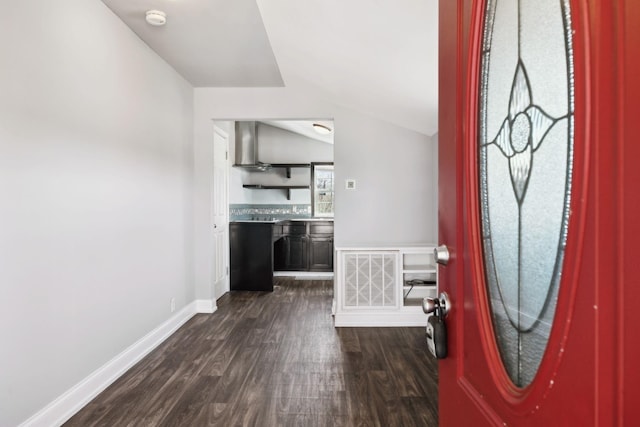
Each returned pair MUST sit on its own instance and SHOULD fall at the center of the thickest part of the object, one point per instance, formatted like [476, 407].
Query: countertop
[276, 221]
[256, 221]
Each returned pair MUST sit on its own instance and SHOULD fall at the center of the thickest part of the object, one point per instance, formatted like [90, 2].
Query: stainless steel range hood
[247, 147]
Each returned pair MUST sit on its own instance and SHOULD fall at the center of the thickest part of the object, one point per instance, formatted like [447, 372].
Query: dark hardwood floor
[275, 359]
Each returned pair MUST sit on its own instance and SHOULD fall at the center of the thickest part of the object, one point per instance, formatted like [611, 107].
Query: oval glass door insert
[525, 163]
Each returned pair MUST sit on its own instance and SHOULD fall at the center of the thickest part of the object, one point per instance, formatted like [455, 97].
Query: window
[525, 160]
[322, 189]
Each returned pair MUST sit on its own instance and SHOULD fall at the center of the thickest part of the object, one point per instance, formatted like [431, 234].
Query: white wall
[96, 140]
[395, 200]
[282, 146]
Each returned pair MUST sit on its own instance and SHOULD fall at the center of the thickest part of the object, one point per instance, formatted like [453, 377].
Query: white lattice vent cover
[369, 280]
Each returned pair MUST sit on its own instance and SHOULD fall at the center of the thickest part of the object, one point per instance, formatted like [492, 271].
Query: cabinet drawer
[294, 229]
[321, 228]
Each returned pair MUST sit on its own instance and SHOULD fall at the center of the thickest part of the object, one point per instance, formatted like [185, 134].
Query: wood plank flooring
[275, 359]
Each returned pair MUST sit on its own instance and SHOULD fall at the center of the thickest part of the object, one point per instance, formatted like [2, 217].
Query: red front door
[588, 371]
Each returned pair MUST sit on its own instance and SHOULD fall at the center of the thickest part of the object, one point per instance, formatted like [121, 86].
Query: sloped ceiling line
[374, 56]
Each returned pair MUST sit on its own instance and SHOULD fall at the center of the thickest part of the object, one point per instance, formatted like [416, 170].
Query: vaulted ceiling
[375, 56]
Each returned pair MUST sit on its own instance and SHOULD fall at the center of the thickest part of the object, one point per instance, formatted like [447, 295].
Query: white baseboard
[206, 306]
[65, 406]
[404, 317]
[323, 274]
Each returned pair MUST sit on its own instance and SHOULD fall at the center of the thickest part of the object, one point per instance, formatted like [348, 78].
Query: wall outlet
[173, 304]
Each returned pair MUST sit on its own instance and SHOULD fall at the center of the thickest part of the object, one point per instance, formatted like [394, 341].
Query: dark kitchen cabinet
[320, 253]
[296, 257]
[251, 256]
[280, 254]
[304, 246]
[290, 251]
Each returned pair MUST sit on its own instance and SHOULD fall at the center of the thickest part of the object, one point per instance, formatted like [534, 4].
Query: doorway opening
[281, 171]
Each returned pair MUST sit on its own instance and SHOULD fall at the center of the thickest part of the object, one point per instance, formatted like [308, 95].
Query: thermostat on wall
[350, 184]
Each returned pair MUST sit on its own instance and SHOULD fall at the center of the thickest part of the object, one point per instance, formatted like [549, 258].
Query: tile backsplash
[267, 212]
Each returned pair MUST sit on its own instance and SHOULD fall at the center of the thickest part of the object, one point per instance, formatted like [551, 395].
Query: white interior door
[220, 211]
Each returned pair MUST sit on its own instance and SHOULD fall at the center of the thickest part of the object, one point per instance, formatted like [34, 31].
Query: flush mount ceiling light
[156, 18]
[321, 129]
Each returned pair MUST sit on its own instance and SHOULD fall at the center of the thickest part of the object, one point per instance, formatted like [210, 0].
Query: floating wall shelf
[264, 167]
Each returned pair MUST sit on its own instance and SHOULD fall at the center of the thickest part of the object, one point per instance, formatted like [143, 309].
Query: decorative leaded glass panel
[525, 164]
